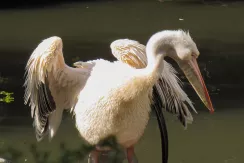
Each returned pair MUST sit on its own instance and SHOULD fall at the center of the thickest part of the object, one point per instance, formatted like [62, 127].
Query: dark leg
[131, 156]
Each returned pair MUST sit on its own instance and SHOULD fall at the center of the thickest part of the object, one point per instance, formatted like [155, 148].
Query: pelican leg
[131, 156]
[94, 156]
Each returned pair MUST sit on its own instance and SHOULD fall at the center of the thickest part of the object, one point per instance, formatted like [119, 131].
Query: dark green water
[211, 139]
[87, 29]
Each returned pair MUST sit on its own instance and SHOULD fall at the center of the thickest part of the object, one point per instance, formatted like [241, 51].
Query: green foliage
[7, 97]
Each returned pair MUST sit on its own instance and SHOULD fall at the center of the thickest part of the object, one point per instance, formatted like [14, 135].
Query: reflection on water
[87, 30]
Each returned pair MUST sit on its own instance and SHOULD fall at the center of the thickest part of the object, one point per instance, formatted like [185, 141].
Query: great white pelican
[113, 98]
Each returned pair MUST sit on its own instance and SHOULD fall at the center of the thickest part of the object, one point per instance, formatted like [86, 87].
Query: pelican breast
[115, 102]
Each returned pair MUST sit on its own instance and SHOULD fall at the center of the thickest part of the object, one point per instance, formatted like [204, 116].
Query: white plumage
[107, 108]
[51, 86]
[173, 98]
[111, 98]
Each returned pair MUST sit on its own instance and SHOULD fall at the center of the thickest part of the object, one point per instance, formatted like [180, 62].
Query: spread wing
[167, 92]
[51, 86]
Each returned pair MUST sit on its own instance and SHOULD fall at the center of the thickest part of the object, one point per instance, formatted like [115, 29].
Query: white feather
[171, 94]
[51, 86]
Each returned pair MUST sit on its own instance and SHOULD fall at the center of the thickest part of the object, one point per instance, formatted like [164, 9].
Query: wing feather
[168, 87]
[50, 85]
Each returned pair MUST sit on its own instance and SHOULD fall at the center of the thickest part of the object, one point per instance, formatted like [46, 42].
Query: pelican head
[179, 46]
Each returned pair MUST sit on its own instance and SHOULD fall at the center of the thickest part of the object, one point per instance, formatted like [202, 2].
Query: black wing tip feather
[46, 106]
[39, 133]
[182, 114]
